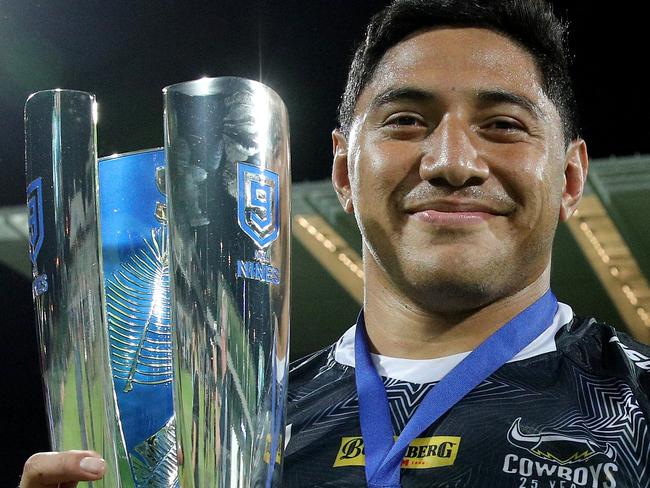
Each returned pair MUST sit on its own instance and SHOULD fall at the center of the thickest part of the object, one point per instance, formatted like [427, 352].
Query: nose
[450, 158]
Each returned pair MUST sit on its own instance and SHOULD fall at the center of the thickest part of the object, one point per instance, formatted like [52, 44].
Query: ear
[576, 167]
[340, 172]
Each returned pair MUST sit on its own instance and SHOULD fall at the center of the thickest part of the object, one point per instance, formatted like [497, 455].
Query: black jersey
[574, 416]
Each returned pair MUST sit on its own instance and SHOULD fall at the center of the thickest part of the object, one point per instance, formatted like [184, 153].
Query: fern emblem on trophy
[140, 333]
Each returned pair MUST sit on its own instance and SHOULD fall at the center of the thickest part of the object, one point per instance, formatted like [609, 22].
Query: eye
[504, 124]
[504, 130]
[403, 120]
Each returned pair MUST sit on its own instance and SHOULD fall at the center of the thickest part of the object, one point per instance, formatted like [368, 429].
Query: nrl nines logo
[36, 232]
[258, 215]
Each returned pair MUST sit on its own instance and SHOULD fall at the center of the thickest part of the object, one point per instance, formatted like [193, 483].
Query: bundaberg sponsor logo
[558, 460]
[422, 453]
[267, 450]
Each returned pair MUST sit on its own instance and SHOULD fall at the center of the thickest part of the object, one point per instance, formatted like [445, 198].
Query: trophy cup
[228, 192]
[65, 251]
[102, 292]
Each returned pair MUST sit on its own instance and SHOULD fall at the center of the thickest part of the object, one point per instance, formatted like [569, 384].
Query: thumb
[50, 469]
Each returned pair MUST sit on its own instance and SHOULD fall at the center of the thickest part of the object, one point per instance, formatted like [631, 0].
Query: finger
[51, 468]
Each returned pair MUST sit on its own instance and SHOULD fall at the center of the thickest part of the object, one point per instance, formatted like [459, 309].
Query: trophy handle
[68, 292]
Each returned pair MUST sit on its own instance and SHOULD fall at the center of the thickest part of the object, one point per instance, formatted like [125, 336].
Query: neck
[398, 328]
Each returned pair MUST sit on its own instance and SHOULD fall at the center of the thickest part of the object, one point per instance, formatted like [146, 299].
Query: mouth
[457, 213]
[452, 218]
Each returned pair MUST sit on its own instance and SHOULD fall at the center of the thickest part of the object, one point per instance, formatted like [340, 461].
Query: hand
[62, 469]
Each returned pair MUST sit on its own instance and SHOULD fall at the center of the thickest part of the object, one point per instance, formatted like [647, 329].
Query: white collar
[432, 370]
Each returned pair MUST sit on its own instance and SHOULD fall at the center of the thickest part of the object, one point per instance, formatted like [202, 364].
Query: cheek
[540, 191]
[530, 175]
[378, 173]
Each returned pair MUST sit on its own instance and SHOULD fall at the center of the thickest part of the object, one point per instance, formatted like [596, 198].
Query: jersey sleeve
[633, 360]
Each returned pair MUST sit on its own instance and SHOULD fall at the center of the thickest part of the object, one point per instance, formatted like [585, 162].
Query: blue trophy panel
[136, 268]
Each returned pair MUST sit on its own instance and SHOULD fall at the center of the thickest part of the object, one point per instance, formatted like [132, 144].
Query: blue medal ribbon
[383, 454]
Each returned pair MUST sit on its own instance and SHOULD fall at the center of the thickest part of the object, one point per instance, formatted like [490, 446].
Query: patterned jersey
[568, 416]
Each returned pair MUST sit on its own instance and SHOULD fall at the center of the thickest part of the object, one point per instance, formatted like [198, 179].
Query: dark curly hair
[530, 23]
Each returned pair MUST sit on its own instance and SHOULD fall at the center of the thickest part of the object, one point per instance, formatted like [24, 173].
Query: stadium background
[126, 51]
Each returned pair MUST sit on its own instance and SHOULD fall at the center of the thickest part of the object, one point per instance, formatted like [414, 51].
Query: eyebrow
[406, 93]
[484, 97]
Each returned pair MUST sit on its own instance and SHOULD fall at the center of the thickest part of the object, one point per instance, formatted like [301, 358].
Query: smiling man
[458, 154]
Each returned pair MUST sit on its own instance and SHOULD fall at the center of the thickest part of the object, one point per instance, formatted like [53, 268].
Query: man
[458, 154]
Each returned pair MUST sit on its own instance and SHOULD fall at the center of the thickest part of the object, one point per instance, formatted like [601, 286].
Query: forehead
[459, 61]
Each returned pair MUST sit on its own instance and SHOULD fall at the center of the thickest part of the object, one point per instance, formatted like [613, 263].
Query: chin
[457, 287]
[452, 295]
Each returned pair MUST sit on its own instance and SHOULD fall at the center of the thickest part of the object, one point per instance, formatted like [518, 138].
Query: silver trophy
[228, 193]
[102, 292]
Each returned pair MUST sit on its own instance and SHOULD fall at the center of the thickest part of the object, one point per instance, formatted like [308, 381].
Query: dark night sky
[126, 51]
